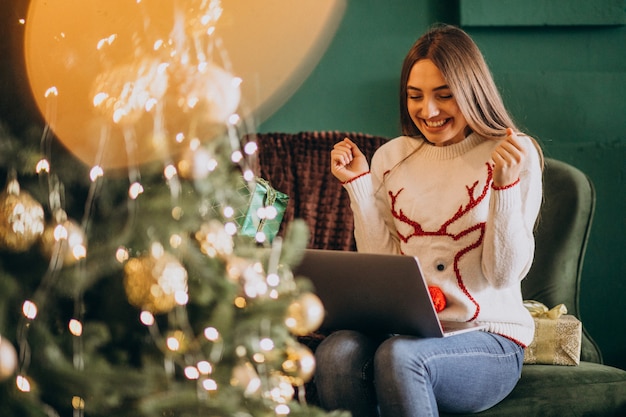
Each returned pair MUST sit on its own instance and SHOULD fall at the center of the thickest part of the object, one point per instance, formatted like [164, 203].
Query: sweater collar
[451, 151]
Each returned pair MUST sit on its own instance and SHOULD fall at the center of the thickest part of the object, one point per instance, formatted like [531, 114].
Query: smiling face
[432, 107]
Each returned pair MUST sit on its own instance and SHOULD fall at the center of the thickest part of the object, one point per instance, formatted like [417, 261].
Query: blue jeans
[409, 376]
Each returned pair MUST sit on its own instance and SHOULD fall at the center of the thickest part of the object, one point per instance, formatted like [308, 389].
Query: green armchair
[299, 164]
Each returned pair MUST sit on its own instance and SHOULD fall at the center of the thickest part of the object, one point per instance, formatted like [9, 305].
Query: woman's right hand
[347, 161]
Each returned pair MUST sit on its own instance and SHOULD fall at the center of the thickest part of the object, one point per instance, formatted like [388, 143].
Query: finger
[353, 146]
[340, 161]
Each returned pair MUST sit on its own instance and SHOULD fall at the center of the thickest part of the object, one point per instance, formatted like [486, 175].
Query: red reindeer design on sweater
[475, 240]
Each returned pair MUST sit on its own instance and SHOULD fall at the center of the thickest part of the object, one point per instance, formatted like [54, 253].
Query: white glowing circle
[266, 344]
[204, 367]
[99, 98]
[234, 119]
[79, 251]
[76, 327]
[250, 148]
[261, 212]
[169, 172]
[236, 157]
[146, 318]
[181, 297]
[228, 212]
[60, 232]
[273, 280]
[211, 334]
[282, 410]
[135, 190]
[52, 91]
[42, 166]
[173, 344]
[157, 250]
[260, 237]
[230, 228]
[22, 383]
[96, 172]
[209, 385]
[29, 309]
[248, 175]
[271, 212]
[121, 254]
[191, 372]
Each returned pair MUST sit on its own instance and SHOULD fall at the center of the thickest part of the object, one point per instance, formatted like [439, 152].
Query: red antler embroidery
[417, 229]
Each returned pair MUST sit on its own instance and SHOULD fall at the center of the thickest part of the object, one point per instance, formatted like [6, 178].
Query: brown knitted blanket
[298, 165]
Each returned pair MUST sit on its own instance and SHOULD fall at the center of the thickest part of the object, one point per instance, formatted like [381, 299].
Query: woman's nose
[430, 109]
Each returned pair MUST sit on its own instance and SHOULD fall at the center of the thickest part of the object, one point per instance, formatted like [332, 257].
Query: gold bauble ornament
[246, 377]
[21, 218]
[280, 389]
[299, 365]
[305, 314]
[155, 283]
[141, 75]
[64, 239]
[8, 359]
[214, 240]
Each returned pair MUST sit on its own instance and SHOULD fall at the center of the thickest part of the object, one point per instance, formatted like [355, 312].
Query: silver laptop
[375, 293]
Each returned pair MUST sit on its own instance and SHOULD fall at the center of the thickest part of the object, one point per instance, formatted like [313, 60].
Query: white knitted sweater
[473, 241]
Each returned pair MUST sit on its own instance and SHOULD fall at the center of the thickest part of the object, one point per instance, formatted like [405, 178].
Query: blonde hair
[463, 66]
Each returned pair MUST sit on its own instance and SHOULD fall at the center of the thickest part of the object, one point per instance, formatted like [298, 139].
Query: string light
[29, 309]
[42, 166]
[76, 327]
[121, 255]
[191, 372]
[146, 318]
[248, 175]
[250, 148]
[205, 367]
[266, 344]
[260, 237]
[23, 384]
[228, 212]
[78, 403]
[135, 190]
[230, 228]
[52, 91]
[211, 334]
[236, 157]
[209, 384]
[173, 343]
[96, 172]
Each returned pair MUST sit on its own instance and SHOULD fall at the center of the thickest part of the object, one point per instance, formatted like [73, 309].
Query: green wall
[565, 84]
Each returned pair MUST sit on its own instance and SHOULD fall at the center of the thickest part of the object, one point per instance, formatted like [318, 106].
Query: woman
[461, 190]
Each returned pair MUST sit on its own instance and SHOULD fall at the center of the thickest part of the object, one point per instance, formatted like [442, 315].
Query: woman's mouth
[433, 124]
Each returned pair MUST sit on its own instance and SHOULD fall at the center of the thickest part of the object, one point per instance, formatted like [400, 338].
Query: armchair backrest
[298, 164]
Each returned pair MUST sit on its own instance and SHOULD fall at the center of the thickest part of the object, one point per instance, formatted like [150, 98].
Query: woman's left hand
[507, 160]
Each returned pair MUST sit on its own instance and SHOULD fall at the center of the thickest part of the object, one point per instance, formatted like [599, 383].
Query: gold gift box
[557, 340]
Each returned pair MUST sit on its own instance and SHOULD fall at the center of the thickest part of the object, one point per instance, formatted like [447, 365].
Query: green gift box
[265, 210]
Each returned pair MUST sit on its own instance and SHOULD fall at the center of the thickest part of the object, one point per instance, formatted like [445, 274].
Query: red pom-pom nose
[438, 297]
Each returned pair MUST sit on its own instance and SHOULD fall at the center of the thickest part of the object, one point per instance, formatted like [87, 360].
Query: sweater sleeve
[374, 229]
[509, 243]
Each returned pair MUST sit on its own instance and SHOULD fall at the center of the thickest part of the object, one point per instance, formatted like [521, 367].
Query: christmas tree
[127, 284]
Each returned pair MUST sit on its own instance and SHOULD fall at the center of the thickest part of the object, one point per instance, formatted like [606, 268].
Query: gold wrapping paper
[557, 338]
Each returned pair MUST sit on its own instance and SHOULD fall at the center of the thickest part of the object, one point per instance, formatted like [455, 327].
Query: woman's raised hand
[507, 159]
[347, 161]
